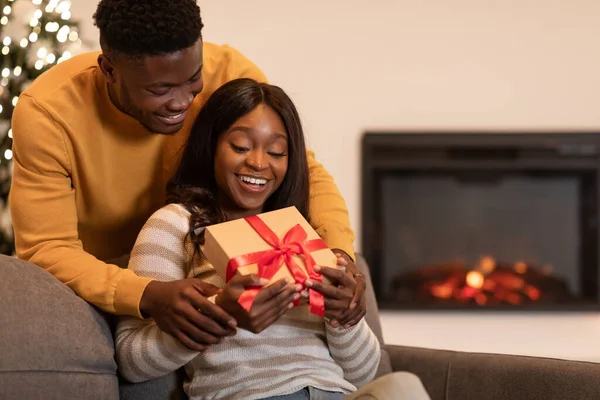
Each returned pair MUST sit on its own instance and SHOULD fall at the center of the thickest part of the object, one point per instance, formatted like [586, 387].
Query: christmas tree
[35, 35]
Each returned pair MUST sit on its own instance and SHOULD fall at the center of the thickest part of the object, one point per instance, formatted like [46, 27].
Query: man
[95, 140]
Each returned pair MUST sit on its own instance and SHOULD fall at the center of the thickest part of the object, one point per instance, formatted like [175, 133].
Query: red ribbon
[294, 243]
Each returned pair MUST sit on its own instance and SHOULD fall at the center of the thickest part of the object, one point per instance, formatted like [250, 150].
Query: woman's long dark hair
[194, 184]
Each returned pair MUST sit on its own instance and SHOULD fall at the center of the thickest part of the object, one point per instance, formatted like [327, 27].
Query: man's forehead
[171, 68]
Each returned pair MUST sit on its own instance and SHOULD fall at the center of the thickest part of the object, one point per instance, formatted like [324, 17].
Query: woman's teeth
[254, 181]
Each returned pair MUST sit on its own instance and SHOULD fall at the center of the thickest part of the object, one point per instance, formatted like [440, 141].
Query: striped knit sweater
[298, 350]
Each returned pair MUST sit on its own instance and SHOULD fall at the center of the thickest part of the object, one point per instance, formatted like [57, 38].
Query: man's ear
[107, 67]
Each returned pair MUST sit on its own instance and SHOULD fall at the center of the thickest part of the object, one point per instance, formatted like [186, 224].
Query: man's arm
[44, 214]
[328, 213]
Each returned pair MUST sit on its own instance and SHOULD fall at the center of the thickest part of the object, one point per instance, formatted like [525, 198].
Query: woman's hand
[345, 303]
[269, 305]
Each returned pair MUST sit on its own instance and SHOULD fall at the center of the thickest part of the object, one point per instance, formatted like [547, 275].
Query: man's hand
[268, 306]
[180, 308]
[345, 303]
[358, 305]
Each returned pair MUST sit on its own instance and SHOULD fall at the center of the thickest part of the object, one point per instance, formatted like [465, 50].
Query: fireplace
[482, 220]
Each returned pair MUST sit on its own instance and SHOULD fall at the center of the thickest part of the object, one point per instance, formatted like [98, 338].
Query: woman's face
[251, 161]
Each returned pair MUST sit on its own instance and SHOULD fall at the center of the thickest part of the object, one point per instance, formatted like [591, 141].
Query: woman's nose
[256, 160]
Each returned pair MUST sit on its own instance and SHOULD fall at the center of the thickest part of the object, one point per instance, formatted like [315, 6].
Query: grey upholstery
[53, 345]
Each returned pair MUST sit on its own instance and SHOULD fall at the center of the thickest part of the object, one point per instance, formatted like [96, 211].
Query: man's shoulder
[219, 51]
[223, 63]
[76, 72]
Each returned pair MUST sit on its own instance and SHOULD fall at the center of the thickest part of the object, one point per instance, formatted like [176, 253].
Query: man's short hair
[139, 28]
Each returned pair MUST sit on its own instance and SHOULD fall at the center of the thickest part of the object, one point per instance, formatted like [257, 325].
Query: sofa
[53, 345]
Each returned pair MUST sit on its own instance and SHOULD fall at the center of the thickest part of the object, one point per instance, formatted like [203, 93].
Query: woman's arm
[143, 350]
[356, 350]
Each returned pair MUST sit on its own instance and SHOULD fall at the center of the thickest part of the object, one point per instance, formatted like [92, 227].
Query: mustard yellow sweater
[87, 177]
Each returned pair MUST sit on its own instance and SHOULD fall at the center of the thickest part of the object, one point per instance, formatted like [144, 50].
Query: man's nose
[181, 101]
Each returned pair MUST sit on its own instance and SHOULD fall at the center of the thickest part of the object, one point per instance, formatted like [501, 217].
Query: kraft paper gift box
[274, 245]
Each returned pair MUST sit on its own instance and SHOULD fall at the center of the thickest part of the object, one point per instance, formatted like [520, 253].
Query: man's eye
[239, 149]
[158, 92]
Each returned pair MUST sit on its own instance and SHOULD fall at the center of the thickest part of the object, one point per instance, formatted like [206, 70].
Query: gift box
[274, 245]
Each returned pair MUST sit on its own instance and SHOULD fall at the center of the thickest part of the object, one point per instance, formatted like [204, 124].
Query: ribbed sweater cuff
[129, 292]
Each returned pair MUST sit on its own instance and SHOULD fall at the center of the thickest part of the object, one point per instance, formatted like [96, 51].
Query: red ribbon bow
[294, 243]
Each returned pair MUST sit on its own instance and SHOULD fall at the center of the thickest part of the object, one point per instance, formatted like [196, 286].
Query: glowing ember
[520, 267]
[475, 279]
[486, 283]
[487, 265]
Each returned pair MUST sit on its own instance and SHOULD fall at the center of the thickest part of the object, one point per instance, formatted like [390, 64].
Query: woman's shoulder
[172, 214]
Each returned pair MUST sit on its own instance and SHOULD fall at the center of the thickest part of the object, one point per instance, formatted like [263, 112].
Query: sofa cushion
[53, 344]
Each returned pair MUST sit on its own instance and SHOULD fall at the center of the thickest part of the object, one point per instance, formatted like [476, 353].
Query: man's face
[157, 90]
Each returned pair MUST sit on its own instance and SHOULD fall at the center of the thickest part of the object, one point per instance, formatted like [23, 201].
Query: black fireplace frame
[398, 152]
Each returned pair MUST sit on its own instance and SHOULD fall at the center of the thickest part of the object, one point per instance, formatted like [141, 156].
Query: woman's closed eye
[239, 149]
[276, 154]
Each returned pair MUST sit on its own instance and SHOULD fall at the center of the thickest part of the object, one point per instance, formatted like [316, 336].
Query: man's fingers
[326, 290]
[217, 314]
[196, 315]
[198, 335]
[356, 319]
[336, 275]
[189, 343]
[350, 315]
[205, 289]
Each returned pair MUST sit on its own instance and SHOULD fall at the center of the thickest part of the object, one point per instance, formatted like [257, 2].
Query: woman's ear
[107, 67]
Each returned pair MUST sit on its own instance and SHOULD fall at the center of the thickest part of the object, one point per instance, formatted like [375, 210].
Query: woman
[246, 155]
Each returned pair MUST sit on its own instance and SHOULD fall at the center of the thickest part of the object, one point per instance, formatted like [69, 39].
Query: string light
[52, 27]
[17, 71]
[36, 2]
[15, 100]
[63, 6]
[24, 43]
[4, 82]
[34, 21]
[73, 36]
[33, 37]
[10, 133]
[5, 50]
[8, 154]
[6, 41]
[51, 5]
[66, 15]
[38, 14]
[1, 108]
[6, 72]
[63, 34]
[41, 53]
[39, 64]
[7, 10]
[51, 58]
[4, 20]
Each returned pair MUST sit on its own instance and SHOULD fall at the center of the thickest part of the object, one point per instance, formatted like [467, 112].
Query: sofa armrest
[53, 345]
[465, 376]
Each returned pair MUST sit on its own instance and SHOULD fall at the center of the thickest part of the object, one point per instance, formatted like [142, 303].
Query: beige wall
[355, 65]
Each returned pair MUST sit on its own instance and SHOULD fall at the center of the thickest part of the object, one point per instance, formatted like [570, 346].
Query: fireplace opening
[482, 220]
